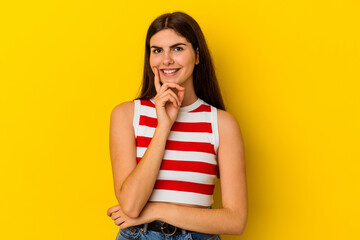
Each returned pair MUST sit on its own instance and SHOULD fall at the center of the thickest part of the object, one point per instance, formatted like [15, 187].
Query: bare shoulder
[123, 113]
[229, 130]
[123, 110]
[226, 121]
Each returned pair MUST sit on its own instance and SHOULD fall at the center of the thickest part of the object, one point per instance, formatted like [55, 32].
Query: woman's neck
[190, 95]
[189, 98]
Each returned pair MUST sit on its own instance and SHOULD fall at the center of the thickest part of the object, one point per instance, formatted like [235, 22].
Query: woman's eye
[156, 51]
[179, 49]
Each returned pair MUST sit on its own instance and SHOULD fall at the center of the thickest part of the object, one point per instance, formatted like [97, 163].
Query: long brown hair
[205, 82]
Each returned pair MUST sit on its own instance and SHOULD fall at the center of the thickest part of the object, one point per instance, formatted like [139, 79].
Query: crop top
[189, 167]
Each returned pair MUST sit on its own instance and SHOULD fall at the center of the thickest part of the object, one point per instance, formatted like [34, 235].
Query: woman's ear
[197, 57]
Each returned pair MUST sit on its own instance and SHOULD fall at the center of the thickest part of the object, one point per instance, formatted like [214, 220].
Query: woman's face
[173, 56]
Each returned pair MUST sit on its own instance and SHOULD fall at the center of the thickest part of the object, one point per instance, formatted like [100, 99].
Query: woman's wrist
[163, 130]
[151, 212]
[158, 210]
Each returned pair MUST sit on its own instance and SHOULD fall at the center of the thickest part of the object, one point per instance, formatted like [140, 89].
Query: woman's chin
[170, 80]
[176, 80]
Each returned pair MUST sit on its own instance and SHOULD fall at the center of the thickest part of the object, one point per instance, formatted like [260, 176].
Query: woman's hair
[205, 82]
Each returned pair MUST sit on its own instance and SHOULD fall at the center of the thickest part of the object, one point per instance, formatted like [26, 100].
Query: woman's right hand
[167, 103]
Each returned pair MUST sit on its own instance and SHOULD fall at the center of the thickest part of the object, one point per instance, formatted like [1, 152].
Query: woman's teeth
[170, 71]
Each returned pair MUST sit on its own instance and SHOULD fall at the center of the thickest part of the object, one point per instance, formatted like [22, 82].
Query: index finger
[157, 80]
[113, 209]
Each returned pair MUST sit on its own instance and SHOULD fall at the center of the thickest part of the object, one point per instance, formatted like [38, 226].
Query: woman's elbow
[240, 225]
[128, 207]
[130, 211]
[238, 229]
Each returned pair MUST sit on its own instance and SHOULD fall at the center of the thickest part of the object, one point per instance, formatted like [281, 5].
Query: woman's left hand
[118, 216]
[122, 220]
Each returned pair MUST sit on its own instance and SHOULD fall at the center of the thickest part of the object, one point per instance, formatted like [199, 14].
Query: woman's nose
[167, 59]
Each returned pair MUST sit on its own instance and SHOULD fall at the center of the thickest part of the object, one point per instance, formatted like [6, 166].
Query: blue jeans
[133, 233]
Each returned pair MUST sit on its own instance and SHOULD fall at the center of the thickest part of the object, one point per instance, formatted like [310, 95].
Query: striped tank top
[189, 166]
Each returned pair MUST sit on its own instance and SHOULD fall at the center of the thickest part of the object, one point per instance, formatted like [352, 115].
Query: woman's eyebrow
[176, 44]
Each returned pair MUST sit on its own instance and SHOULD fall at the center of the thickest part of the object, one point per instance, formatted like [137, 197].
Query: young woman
[168, 146]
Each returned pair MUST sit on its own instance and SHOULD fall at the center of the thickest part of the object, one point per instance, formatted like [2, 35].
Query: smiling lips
[168, 72]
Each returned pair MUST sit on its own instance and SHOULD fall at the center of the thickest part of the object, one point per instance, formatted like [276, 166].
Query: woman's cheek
[153, 64]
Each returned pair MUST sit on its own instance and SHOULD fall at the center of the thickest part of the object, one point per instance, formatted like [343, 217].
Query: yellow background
[288, 70]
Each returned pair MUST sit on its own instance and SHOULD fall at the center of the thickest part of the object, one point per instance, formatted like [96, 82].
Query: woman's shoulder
[229, 132]
[225, 116]
[123, 111]
[226, 121]
[124, 107]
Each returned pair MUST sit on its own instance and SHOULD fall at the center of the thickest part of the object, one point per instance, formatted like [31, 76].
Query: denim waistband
[142, 233]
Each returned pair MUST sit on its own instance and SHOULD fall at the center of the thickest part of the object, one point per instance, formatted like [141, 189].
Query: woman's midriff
[187, 205]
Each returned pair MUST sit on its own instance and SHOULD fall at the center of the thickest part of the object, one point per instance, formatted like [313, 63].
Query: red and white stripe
[189, 167]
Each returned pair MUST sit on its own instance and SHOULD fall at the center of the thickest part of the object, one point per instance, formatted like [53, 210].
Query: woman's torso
[189, 168]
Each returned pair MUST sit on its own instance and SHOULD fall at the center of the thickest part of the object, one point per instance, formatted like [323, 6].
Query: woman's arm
[134, 182]
[232, 217]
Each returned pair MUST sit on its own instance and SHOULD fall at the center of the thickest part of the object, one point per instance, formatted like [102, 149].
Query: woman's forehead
[166, 38]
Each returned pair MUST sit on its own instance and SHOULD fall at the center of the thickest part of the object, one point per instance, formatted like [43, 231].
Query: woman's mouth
[170, 72]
